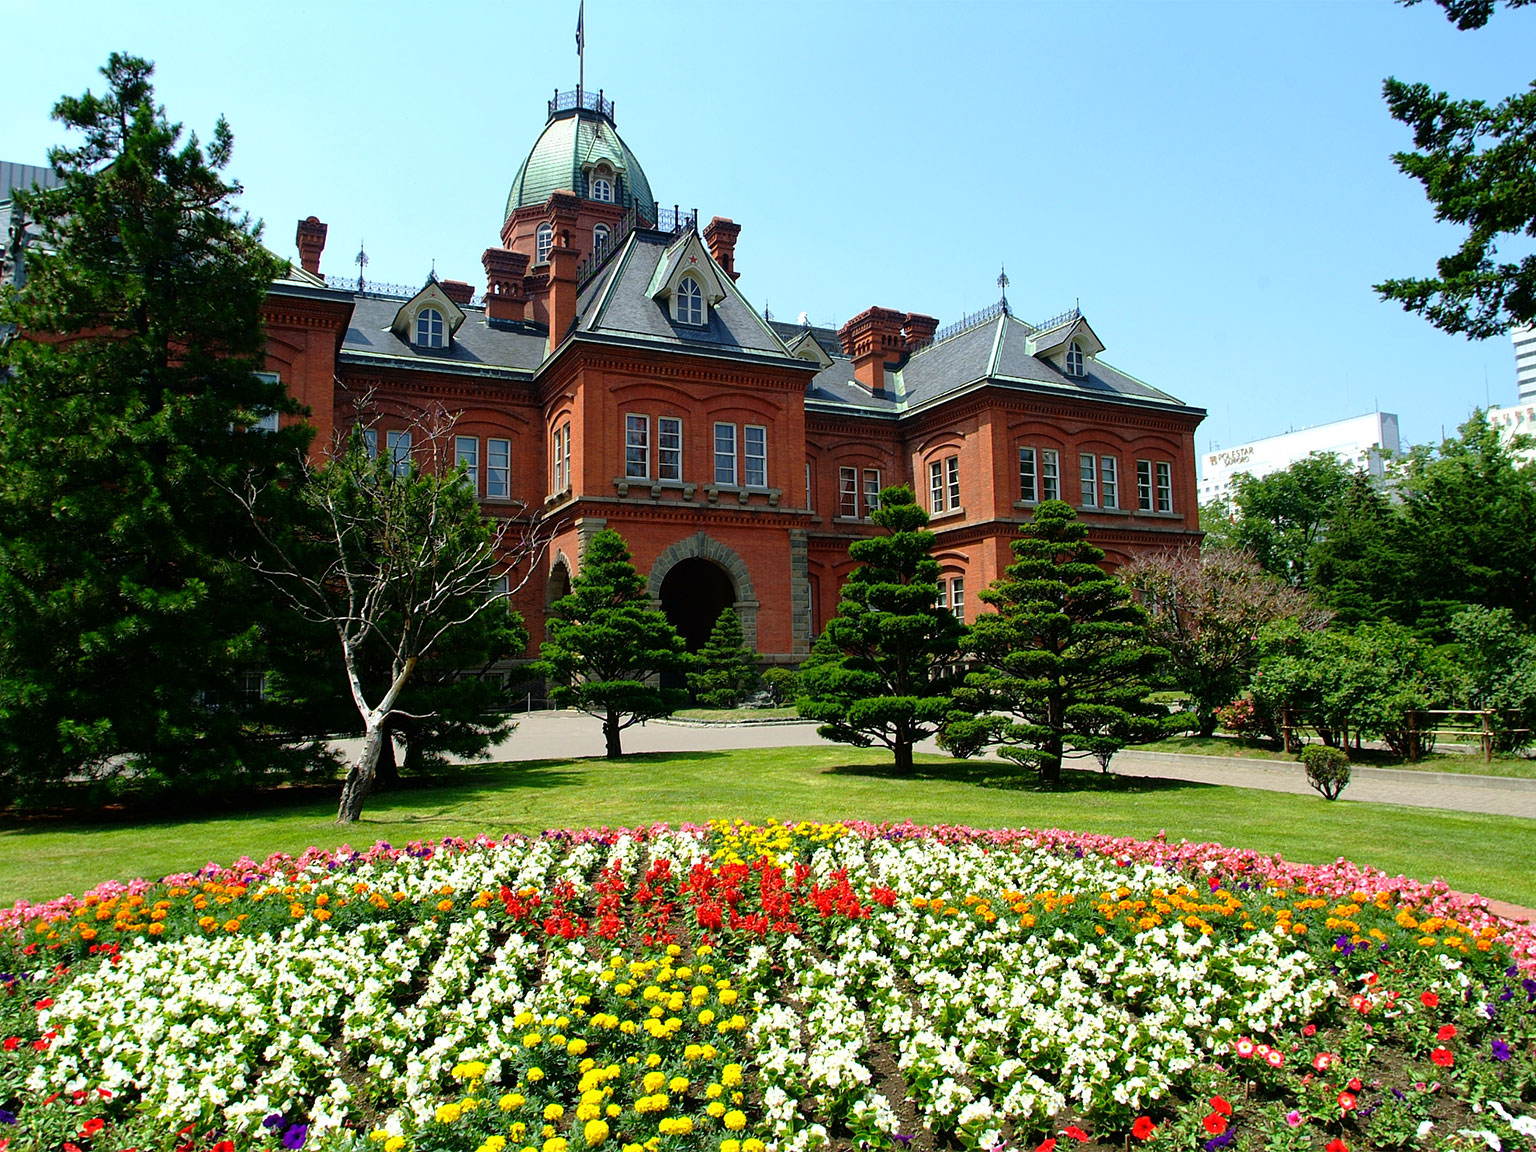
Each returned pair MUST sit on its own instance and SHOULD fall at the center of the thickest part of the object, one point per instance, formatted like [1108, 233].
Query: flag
[581, 14]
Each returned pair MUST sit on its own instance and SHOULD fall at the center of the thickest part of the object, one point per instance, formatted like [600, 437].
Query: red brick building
[608, 373]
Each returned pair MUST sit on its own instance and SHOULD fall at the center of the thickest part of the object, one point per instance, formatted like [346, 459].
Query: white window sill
[952, 514]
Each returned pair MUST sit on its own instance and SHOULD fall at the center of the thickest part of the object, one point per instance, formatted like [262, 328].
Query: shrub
[1327, 769]
[1242, 718]
[781, 684]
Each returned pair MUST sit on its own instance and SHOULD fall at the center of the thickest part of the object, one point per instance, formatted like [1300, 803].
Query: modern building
[1520, 419]
[1368, 441]
[608, 372]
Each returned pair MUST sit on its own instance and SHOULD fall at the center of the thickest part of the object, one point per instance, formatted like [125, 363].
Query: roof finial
[361, 260]
[1002, 284]
[581, 52]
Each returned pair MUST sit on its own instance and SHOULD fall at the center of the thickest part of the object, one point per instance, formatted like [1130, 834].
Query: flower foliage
[744, 988]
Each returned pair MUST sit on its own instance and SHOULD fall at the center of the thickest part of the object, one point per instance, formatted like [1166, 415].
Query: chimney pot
[504, 295]
[870, 339]
[720, 234]
[458, 291]
[310, 239]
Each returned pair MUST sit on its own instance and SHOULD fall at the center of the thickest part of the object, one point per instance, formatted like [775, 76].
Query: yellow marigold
[468, 1070]
[556, 1144]
[553, 1112]
[512, 1101]
[231, 925]
[588, 1111]
[596, 1132]
[576, 1047]
[735, 1120]
[296, 911]
[613, 1111]
[653, 1060]
[730, 1075]
[156, 929]
[707, 1016]
[532, 1040]
[715, 1109]
[653, 1081]
[444, 905]
[713, 1091]
[534, 1075]
[730, 1144]
[394, 1144]
[448, 1113]
[322, 914]
[728, 996]
[87, 933]
[494, 1143]
[752, 1144]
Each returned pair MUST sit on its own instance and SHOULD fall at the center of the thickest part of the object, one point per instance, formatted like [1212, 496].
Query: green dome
[574, 141]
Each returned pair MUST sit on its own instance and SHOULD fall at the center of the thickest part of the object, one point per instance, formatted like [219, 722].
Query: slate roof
[479, 347]
[615, 305]
[826, 337]
[570, 140]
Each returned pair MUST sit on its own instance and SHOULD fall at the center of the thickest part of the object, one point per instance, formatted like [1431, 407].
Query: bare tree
[393, 549]
[1207, 613]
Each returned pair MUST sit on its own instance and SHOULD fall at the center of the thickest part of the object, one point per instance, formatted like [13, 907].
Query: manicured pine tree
[606, 645]
[879, 672]
[1064, 658]
[727, 667]
[127, 386]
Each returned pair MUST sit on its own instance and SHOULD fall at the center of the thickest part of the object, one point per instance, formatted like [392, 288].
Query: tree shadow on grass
[1007, 777]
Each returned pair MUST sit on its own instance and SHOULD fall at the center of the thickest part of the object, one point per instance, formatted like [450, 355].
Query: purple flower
[273, 1121]
[1490, 1011]
[295, 1136]
[1506, 995]
[905, 1141]
[1344, 945]
[1221, 1141]
[9, 1117]
[1500, 1050]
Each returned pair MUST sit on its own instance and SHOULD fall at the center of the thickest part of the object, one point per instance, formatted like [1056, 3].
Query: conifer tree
[126, 387]
[879, 670]
[606, 644]
[727, 667]
[1064, 658]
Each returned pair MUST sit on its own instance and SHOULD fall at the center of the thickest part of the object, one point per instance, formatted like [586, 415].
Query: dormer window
[429, 328]
[690, 301]
[1074, 359]
[601, 238]
[544, 240]
[600, 187]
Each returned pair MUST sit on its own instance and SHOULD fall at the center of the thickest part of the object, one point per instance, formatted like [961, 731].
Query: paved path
[551, 735]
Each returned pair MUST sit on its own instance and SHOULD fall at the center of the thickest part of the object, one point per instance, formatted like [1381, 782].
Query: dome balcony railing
[673, 220]
[581, 98]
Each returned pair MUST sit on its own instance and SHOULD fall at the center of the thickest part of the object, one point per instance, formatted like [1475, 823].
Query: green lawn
[1467, 763]
[1489, 854]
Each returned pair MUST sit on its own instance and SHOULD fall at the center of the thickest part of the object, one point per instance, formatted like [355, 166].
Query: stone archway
[724, 561]
[559, 583]
[693, 595]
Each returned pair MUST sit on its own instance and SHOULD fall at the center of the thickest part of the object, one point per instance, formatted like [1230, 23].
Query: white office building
[1368, 441]
[1519, 418]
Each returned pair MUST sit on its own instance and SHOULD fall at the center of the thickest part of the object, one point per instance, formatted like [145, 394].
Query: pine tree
[879, 670]
[1065, 655]
[126, 391]
[607, 645]
[727, 667]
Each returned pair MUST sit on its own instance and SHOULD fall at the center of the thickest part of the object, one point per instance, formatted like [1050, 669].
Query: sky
[1211, 182]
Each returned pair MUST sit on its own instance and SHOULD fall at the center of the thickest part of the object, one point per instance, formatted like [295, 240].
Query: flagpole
[581, 52]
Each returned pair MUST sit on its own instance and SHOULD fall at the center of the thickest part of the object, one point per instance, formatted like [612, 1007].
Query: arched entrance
[559, 584]
[693, 594]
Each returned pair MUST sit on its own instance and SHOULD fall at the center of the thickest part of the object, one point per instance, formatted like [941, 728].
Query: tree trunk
[413, 753]
[360, 775]
[611, 735]
[1207, 722]
[903, 751]
[387, 775]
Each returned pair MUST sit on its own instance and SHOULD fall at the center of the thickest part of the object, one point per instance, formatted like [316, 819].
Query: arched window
[1074, 359]
[429, 328]
[544, 239]
[690, 301]
[601, 188]
[600, 237]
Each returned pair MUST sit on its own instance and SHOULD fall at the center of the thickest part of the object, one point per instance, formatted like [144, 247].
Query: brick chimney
[458, 291]
[918, 330]
[870, 339]
[720, 234]
[311, 241]
[563, 260]
[504, 298]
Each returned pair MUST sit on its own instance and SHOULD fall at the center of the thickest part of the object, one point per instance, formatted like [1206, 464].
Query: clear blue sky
[1211, 180]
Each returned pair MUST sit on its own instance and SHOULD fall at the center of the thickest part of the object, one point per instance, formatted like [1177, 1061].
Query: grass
[1493, 855]
[1461, 763]
[736, 715]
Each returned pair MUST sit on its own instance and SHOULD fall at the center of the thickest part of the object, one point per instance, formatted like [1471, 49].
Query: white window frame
[952, 468]
[371, 443]
[430, 329]
[725, 454]
[1029, 476]
[1164, 486]
[637, 446]
[810, 504]
[601, 238]
[689, 302]
[848, 493]
[1074, 359]
[1050, 474]
[957, 597]
[600, 188]
[754, 456]
[871, 481]
[559, 481]
[543, 241]
[935, 486]
[1088, 477]
[1109, 482]
[1144, 485]
[466, 451]
[498, 468]
[669, 448]
[399, 446]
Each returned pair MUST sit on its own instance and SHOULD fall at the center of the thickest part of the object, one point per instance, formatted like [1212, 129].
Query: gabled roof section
[431, 294]
[808, 348]
[481, 348]
[620, 304]
[1074, 326]
[685, 255]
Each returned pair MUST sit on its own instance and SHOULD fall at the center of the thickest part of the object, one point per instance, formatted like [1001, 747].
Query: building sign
[1231, 457]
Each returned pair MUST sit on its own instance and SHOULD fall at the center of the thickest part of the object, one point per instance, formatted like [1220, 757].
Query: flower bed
[741, 989]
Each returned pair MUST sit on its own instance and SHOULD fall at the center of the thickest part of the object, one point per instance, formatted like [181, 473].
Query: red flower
[1215, 1123]
[1220, 1105]
[1309, 1030]
[1347, 1101]
[1442, 1057]
[1447, 1032]
[1323, 1061]
[1429, 1000]
[229, 1146]
[1337, 1145]
[1354, 1084]
[92, 1126]
[1244, 1047]
[11, 1043]
[1274, 1057]
[45, 1002]
[1076, 1133]
[1046, 1145]
[1143, 1128]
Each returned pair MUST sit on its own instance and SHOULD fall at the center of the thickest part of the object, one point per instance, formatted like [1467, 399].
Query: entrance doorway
[693, 595]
